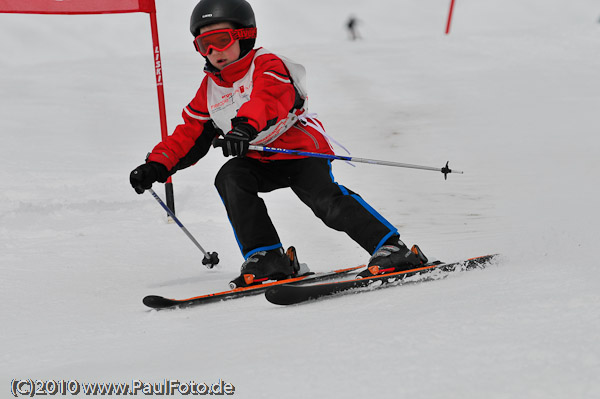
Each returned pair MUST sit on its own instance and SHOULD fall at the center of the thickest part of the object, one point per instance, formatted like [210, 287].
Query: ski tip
[485, 258]
[279, 294]
[157, 302]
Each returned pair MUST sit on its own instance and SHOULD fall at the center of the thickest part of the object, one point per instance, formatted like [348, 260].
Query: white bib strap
[307, 119]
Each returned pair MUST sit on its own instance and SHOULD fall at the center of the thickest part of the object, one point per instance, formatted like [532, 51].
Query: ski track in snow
[511, 97]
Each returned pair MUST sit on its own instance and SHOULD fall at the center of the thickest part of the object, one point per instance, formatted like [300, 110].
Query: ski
[160, 302]
[286, 294]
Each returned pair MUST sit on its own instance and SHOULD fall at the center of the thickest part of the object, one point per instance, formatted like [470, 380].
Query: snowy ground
[511, 97]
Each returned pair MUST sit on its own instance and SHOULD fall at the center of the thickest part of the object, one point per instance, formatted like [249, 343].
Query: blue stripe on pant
[392, 229]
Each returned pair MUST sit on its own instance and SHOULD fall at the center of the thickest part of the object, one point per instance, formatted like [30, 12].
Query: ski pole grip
[218, 143]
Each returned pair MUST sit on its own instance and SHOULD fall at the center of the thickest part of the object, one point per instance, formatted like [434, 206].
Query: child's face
[220, 59]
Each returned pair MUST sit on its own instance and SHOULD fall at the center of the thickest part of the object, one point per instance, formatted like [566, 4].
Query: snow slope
[511, 97]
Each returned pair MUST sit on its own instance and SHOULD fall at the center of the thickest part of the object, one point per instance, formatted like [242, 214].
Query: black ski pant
[241, 179]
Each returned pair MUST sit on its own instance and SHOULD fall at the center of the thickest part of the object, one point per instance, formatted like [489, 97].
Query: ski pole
[445, 170]
[210, 258]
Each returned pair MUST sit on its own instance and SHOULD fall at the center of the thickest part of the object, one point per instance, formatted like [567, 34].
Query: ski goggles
[221, 39]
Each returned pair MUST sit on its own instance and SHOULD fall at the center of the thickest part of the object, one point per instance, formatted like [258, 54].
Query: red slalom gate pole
[161, 103]
[72, 7]
[450, 16]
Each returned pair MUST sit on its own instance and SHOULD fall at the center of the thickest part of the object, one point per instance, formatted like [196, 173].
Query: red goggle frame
[221, 39]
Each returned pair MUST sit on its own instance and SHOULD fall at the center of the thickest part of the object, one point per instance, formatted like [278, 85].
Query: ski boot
[393, 256]
[269, 265]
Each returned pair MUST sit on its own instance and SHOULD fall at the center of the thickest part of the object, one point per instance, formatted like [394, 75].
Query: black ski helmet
[238, 12]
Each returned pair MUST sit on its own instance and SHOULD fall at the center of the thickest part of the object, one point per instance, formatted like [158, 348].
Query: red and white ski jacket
[257, 87]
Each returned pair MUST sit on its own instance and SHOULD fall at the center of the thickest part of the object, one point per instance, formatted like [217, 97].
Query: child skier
[250, 94]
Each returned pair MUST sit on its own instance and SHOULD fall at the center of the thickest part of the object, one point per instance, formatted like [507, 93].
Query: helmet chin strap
[246, 46]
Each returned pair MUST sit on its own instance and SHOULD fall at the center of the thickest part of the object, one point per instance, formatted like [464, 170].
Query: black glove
[237, 141]
[142, 177]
